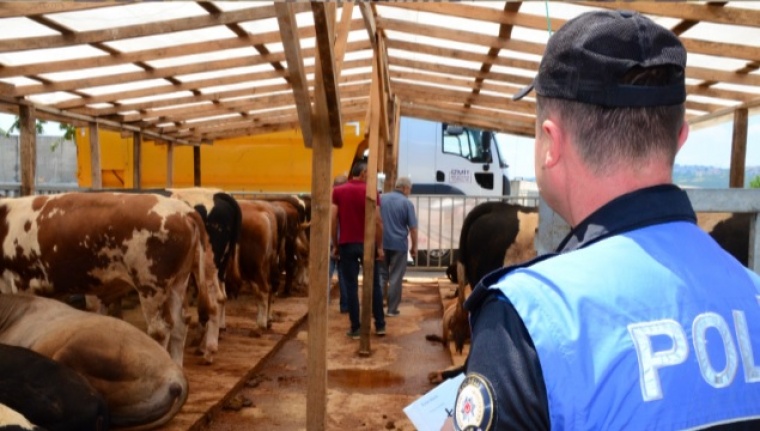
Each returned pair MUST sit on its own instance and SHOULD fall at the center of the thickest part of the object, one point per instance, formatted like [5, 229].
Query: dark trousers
[351, 259]
[334, 265]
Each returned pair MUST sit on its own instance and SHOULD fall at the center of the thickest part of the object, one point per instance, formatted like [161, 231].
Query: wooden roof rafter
[419, 49]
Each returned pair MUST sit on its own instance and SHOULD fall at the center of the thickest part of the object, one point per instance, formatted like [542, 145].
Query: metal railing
[552, 228]
[440, 219]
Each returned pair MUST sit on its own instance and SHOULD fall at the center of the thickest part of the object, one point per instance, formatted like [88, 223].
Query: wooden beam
[28, 149]
[196, 86]
[489, 122]
[391, 154]
[96, 173]
[706, 74]
[458, 83]
[479, 13]
[725, 111]
[209, 112]
[457, 70]
[132, 31]
[689, 11]
[739, 148]
[370, 209]
[9, 9]
[271, 124]
[169, 165]
[505, 33]
[462, 36]
[341, 35]
[197, 166]
[324, 19]
[369, 23]
[417, 91]
[385, 88]
[164, 72]
[136, 160]
[319, 246]
[292, 46]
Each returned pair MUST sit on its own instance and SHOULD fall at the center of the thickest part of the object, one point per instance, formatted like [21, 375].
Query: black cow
[494, 234]
[49, 394]
[11, 420]
[733, 235]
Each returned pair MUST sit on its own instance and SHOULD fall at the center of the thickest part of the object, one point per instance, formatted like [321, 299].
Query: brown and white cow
[142, 386]
[104, 244]
[256, 257]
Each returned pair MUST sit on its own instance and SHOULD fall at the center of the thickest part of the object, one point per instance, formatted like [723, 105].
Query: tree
[40, 125]
[755, 182]
[68, 131]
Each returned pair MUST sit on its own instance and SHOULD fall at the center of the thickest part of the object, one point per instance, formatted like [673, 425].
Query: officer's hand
[380, 254]
[448, 425]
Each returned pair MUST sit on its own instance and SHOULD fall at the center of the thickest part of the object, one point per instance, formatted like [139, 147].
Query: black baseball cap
[586, 59]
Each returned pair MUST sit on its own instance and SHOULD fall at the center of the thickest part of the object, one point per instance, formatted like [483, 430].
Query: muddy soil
[362, 392]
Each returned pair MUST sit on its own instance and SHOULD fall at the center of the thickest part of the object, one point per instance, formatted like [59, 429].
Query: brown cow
[256, 256]
[140, 383]
[106, 243]
[296, 243]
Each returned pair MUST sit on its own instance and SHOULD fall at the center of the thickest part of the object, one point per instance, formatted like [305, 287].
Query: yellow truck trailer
[272, 162]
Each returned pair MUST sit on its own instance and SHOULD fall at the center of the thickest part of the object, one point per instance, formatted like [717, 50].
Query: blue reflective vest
[670, 339]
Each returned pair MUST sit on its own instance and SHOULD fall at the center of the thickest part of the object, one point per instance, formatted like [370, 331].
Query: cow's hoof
[208, 359]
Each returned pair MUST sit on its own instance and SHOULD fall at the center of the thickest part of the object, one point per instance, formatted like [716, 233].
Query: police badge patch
[474, 408]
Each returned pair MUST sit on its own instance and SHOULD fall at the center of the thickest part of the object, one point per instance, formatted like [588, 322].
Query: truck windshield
[468, 143]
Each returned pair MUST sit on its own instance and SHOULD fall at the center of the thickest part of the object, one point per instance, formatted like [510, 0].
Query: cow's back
[494, 234]
[74, 241]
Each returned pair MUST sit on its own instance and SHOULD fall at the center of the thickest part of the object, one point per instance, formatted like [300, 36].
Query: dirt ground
[362, 392]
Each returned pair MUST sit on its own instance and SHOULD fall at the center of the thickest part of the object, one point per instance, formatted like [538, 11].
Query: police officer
[640, 320]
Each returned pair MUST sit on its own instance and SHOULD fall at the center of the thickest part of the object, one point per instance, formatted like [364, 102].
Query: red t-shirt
[351, 199]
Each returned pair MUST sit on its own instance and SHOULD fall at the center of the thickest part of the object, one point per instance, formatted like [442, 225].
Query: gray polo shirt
[398, 217]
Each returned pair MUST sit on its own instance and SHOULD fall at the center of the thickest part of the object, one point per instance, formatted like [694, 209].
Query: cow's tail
[180, 390]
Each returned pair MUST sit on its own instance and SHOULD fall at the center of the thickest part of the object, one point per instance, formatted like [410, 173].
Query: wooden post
[319, 243]
[369, 210]
[738, 149]
[28, 150]
[169, 164]
[197, 166]
[391, 152]
[136, 160]
[95, 171]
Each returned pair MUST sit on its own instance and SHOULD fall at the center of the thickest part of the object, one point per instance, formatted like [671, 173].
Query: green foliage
[40, 126]
[755, 182]
[68, 132]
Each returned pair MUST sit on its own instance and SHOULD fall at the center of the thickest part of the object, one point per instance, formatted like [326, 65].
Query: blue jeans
[334, 265]
[351, 258]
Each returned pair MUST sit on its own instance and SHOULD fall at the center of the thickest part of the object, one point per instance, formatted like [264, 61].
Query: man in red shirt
[347, 231]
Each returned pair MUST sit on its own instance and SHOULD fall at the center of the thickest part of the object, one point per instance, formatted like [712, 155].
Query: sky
[706, 146]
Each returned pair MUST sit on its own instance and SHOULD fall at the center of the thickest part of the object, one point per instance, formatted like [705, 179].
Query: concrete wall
[56, 161]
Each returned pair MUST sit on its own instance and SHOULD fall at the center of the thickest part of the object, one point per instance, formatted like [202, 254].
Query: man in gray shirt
[399, 222]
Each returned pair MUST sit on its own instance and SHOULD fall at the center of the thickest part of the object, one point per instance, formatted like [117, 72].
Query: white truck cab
[442, 158]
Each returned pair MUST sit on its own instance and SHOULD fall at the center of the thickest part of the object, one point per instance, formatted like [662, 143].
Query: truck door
[464, 162]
